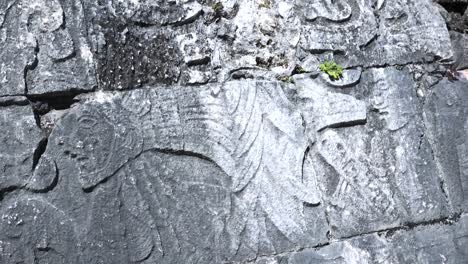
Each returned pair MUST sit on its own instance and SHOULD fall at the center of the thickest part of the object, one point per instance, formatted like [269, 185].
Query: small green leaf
[331, 68]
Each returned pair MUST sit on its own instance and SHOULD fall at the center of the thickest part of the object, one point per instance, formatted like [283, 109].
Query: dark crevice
[42, 104]
[160, 150]
[5, 191]
[184, 153]
[58, 103]
[388, 232]
[306, 153]
[202, 61]
[443, 189]
[52, 185]
[142, 24]
[448, 220]
[346, 124]
[40, 149]
[19, 100]
[458, 7]
[187, 21]
[54, 101]
[72, 55]
[421, 141]
[321, 245]
[370, 42]
[103, 181]
[30, 67]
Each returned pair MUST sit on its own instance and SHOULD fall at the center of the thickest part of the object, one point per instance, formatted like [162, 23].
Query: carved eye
[87, 121]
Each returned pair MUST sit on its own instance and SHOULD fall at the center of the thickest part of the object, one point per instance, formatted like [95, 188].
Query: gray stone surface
[447, 115]
[20, 137]
[460, 47]
[44, 48]
[455, 14]
[431, 244]
[137, 131]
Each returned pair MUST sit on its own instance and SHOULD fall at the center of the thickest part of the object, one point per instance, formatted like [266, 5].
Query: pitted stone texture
[19, 138]
[133, 58]
[446, 113]
[44, 48]
[139, 43]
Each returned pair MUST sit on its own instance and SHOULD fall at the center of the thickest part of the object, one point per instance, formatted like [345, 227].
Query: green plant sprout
[217, 7]
[331, 68]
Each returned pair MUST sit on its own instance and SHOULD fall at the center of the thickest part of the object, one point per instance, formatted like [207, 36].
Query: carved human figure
[29, 27]
[92, 140]
[36, 36]
[145, 207]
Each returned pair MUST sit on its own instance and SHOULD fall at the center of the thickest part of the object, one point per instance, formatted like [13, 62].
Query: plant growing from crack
[332, 69]
[265, 4]
[217, 7]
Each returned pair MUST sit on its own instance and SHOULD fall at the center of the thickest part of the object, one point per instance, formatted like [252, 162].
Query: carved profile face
[92, 140]
[394, 105]
[87, 143]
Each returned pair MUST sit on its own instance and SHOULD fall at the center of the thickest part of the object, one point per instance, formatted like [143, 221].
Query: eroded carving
[98, 157]
[49, 57]
[394, 105]
[156, 12]
[374, 196]
[34, 231]
[334, 10]
[347, 24]
[175, 194]
[262, 179]
[224, 171]
[44, 175]
[324, 108]
[20, 136]
[446, 118]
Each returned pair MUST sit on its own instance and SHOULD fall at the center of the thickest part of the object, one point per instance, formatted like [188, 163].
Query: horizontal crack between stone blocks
[408, 226]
